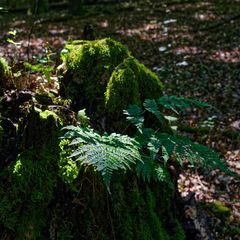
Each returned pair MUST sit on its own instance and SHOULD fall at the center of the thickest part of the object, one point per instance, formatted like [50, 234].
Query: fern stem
[110, 217]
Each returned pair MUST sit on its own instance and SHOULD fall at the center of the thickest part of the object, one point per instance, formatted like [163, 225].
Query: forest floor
[194, 47]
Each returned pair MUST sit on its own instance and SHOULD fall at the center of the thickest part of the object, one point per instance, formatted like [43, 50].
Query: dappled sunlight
[149, 31]
[205, 16]
[104, 24]
[158, 31]
[188, 50]
[188, 6]
[215, 186]
[232, 56]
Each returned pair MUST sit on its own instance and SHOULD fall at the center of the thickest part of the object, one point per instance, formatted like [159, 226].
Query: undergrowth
[149, 151]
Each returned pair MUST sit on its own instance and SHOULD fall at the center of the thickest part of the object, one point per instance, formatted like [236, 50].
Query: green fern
[177, 104]
[198, 155]
[151, 169]
[106, 153]
[135, 115]
[164, 145]
[151, 106]
[150, 150]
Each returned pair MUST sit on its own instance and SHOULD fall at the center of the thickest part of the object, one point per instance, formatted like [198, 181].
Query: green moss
[124, 221]
[220, 210]
[4, 68]
[23, 204]
[5, 72]
[105, 78]
[179, 233]
[45, 98]
[131, 83]
[154, 220]
[68, 169]
[32, 179]
[46, 114]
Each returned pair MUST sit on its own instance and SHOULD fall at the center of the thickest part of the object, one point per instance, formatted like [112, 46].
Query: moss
[5, 72]
[46, 114]
[68, 169]
[45, 98]
[178, 232]
[131, 83]
[103, 77]
[32, 178]
[23, 205]
[220, 210]
[123, 220]
[154, 220]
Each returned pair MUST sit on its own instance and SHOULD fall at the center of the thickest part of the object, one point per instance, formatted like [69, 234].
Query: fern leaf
[162, 174]
[197, 154]
[151, 169]
[106, 153]
[152, 107]
[177, 104]
[135, 116]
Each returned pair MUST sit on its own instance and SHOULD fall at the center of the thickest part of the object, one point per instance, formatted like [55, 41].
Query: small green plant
[150, 150]
[40, 68]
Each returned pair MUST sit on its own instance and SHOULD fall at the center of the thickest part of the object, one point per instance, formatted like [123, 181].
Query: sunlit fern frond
[106, 153]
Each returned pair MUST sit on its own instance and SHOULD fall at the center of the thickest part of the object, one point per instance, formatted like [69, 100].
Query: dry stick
[32, 23]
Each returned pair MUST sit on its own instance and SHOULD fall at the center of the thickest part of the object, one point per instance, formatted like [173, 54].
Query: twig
[32, 23]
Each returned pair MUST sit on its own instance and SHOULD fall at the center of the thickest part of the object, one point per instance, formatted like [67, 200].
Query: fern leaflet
[176, 104]
[182, 147]
[135, 115]
[152, 107]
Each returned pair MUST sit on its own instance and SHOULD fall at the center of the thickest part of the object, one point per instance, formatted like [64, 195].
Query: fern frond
[152, 107]
[106, 153]
[135, 115]
[197, 155]
[177, 104]
[151, 169]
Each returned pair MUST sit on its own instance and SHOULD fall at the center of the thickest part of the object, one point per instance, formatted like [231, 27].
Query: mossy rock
[103, 77]
[5, 73]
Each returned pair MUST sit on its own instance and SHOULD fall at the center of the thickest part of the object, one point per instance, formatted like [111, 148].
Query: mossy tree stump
[46, 195]
[103, 77]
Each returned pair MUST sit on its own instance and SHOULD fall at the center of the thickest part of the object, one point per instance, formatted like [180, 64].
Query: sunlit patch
[56, 31]
[152, 31]
[184, 7]
[232, 56]
[233, 158]
[206, 16]
[18, 23]
[104, 24]
[187, 50]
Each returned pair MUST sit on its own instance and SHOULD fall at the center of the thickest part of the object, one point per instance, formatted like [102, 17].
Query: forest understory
[194, 48]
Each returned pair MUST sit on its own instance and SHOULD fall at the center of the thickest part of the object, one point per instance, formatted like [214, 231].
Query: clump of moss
[102, 76]
[5, 72]
[32, 178]
[220, 210]
[131, 83]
